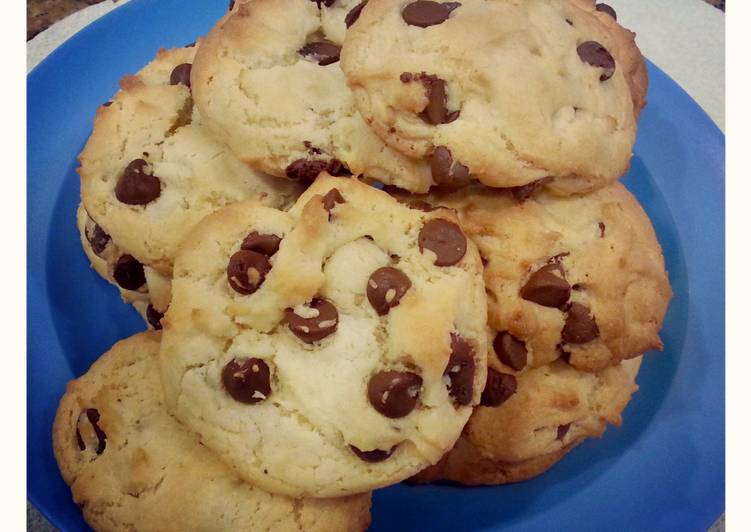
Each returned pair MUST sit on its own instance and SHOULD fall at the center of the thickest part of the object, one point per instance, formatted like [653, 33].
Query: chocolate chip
[376, 455]
[231, 4]
[421, 205]
[547, 287]
[425, 13]
[436, 111]
[322, 52]
[154, 317]
[580, 326]
[181, 75]
[523, 192]
[602, 229]
[322, 322]
[327, 3]
[331, 198]
[556, 259]
[266, 245]
[405, 77]
[607, 9]
[190, 45]
[97, 238]
[510, 350]
[88, 433]
[246, 271]
[562, 431]
[445, 171]
[107, 104]
[498, 388]
[569, 22]
[247, 380]
[354, 14]
[595, 54]
[311, 148]
[308, 169]
[137, 185]
[385, 289]
[128, 273]
[445, 239]
[460, 370]
[338, 168]
[394, 393]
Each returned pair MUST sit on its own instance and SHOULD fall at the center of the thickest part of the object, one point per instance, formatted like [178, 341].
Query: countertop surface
[695, 59]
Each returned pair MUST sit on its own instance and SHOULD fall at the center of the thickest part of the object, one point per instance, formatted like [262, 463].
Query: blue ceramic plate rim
[664, 469]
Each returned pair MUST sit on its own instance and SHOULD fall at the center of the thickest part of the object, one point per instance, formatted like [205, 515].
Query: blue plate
[663, 470]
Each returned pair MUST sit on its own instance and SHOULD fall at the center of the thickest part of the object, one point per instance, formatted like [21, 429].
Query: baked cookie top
[578, 277]
[131, 466]
[331, 349]
[551, 409]
[150, 170]
[506, 92]
[268, 82]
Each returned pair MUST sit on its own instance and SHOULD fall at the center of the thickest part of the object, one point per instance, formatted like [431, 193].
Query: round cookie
[131, 466]
[268, 82]
[331, 349]
[525, 90]
[626, 51]
[552, 410]
[578, 277]
[150, 171]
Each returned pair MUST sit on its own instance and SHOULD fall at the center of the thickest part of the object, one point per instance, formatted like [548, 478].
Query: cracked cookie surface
[578, 277]
[151, 170]
[331, 349]
[512, 91]
[132, 466]
[268, 82]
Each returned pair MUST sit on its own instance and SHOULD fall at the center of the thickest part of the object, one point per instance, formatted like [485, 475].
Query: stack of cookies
[374, 242]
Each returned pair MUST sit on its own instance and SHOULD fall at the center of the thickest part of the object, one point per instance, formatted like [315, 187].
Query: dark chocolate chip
[607, 9]
[107, 104]
[231, 4]
[308, 169]
[247, 270]
[595, 54]
[394, 393]
[137, 185]
[97, 238]
[354, 14]
[181, 75]
[190, 45]
[327, 3]
[562, 431]
[385, 289]
[421, 205]
[376, 455]
[523, 192]
[338, 169]
[247, 380]
[498, 388]
[316, 327]
[445, 171]
[331, 198]
[510, 350]
[436, 112]
[405, 77]
[311, 148]
[426, 13]
[128, 273]
[547, 287]
[602, 229]
[154, 317]
[445, 239]
[266, 245]
[569, 22]
[461, 370]
[580, 326]
[88, 433]
[322, 52]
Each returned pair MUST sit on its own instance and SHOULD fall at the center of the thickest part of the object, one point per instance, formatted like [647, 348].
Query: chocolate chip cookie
[150, 171]
[500, 91]
[579, 277]
[131, 466]
[545, 413]
[268, 82]
[331, 349]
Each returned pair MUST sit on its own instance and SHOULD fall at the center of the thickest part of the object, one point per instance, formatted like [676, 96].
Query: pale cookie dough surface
[309, 414]
[608, 261]
[287, 112]
[132, 466]
[520, 105]
[152, 120]
[555, 408]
